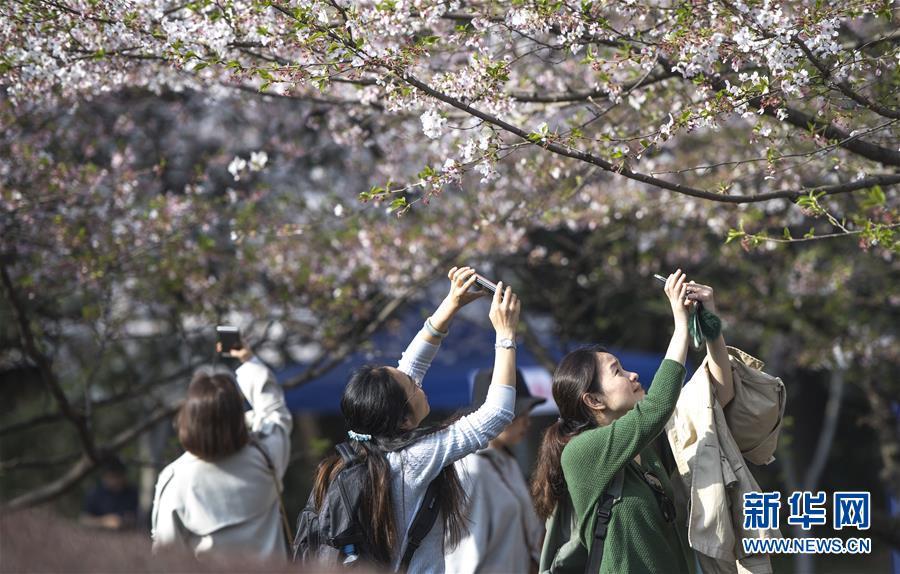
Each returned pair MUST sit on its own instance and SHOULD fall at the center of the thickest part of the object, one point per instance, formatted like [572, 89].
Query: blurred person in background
[505, 533]
[113, 502]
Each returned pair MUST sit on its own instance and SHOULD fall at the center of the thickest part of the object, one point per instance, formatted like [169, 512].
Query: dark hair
[113, 465]
[211, 423]
[374, 403]
[575, 375]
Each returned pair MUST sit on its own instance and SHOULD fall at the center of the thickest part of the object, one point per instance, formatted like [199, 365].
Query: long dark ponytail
[374, 403]
[575, 375]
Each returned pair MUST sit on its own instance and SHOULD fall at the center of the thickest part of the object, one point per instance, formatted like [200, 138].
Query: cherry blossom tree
[133, 224]
[168, 165]
[783, 105]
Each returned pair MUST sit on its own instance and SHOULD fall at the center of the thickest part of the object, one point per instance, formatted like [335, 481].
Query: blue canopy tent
[468, 348]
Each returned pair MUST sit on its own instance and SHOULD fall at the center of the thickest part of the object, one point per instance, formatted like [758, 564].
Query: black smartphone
[485, 284]
[229, 337]
[659, 278]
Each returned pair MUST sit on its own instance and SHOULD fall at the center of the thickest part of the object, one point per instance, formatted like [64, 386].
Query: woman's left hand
[702, 294]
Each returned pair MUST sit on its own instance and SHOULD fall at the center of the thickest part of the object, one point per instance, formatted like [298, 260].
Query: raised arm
[421, 351]
[269, 418]
[473, 432]
[461, 280]
[719, 364]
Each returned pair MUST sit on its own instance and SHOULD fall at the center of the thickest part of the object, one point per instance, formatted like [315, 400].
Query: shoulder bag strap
[285, 523]
[421, 524]
[604, 513]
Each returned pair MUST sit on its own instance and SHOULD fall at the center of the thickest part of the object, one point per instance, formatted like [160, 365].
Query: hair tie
[572, 427]
[359, 436]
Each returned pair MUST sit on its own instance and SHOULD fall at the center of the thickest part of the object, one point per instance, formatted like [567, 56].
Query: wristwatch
[505, 344]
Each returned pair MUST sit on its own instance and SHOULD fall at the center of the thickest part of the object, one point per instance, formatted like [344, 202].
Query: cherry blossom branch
[844, 85]
[884, 180]
[868, 150]
[566, 97]
[828, 130]
[780, 157]
[881, 179]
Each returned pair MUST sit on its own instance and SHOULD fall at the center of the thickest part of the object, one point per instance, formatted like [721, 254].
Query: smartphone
[659, 278]
[229, 337]
[485, 284]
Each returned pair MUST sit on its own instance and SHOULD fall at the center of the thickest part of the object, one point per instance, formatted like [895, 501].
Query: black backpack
[323, 537]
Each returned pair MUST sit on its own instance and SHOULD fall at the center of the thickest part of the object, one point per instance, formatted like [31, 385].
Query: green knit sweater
[638, 539]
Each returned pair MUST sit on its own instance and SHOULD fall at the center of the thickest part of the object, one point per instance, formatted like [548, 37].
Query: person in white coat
[223, 494]
[505, 533]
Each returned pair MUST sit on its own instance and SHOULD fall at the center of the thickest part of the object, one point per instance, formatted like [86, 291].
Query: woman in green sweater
[607, 423]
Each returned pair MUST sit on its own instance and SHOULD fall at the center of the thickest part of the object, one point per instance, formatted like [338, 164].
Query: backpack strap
[604, 513]
[421, 524]
[347, 453]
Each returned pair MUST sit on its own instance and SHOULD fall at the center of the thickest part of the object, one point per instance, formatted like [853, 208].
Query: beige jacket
[710, 446]
[230, 505]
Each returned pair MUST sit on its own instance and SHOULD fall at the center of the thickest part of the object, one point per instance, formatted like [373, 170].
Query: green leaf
[398, 204]
[874, 198]
[427, 172]
[374, 193]
[734, 234]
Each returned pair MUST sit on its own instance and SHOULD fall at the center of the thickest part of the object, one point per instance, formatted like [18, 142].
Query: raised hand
[676, 291]
[703, 294]
[461, 281]
[243, 353]
[504, 313]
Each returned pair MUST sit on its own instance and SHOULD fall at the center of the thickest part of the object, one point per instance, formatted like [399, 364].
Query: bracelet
[433, 331]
